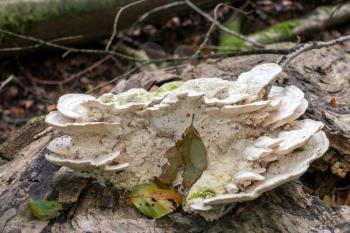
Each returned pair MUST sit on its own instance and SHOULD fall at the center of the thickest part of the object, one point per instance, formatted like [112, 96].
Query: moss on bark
[321, 17]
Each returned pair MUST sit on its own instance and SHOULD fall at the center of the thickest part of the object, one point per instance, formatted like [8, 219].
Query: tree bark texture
[91, 19]
[319, 19]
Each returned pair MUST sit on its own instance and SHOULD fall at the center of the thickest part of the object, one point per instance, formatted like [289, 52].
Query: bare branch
[290, 53]
[117, 78]
[214, 56]
[222, 27]
[147, 14]
[210, 31]
[131, 58]
[309, 46]
[15, 49]
[66, 48]
[116, 19]
[4, 83]
[212, 27]
[154, 10]
[88, 69]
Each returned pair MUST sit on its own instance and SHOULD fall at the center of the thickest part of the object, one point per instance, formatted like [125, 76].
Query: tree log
[91, 19]
[321, 18]
[90, 206]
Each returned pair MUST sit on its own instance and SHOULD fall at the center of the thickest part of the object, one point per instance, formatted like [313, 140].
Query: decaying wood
[22, 138]
[53, 19]
[90, 206]
[319, 19]
[326, 86]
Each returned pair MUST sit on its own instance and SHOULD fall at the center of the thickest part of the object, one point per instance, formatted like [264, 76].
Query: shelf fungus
[220, 141]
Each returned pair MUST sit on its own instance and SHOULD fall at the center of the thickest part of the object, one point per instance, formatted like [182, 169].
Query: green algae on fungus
[168, 87]
[206, 193]
[134, 95]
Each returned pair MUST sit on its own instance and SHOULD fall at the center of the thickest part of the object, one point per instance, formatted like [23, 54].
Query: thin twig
[221, 56]
[212, 27]
[222, 27]
[213, 56]
[335, 10]
[290, 54]
[310, 46]
[285, 60]
[141, 54]
[34, 79]
[8, 80]
[115, 23]
[234, 49]
[16, 49]
[66, 80]
[131, 58]
[117, 78]
[88, 69]
[144, 61]
[147, 14]
[66, 48]
[45, 132]
[154, 10]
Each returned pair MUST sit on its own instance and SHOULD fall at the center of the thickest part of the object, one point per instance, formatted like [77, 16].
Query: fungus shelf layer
[220, 140]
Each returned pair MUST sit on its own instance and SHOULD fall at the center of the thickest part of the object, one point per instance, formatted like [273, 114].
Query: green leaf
[45, 210]
[194, 155]
[153, 201]
[327, 200]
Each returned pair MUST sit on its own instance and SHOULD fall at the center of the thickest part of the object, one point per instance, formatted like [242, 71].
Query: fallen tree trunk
[89, 19]
[92, 207]
[321, 18]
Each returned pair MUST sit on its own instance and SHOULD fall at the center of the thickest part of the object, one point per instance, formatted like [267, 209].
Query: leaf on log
[194, 155]
[45, 210]
[155, 202]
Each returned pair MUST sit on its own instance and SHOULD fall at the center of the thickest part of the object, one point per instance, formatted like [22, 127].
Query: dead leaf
[333, 102]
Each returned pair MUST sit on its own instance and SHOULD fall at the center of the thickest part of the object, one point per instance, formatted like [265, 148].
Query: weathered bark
[23, 137]
[319, 19]
[93, 207]
[53, 19]
[324, 77]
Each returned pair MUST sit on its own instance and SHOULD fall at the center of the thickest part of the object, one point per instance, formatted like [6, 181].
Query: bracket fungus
[221, 141]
